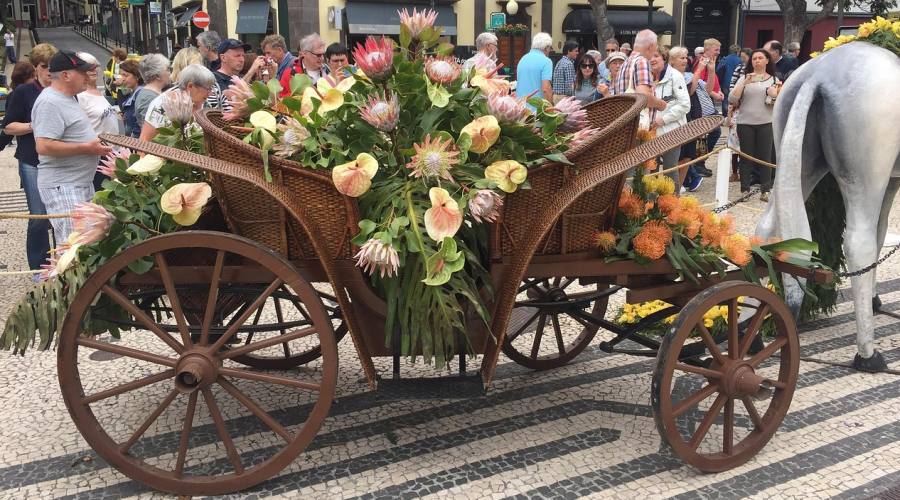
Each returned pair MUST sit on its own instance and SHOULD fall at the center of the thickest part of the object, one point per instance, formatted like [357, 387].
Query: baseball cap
[68, 61]
[231, 43]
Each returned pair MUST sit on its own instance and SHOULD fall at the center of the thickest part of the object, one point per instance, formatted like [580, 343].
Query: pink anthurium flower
[354, 178]
[444, 217]
[185, 201]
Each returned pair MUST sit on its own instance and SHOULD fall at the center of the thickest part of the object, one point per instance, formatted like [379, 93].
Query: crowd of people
[57, 107]
[680, 85]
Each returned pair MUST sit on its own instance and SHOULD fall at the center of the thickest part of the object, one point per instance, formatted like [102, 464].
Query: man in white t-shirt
[10, 38]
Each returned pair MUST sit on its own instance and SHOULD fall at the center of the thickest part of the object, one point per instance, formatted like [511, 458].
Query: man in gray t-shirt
[67, 146]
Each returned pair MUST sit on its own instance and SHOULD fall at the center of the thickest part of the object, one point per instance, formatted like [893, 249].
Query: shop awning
[625, 22]
[252, 17]
[382, 18]
[185, 17]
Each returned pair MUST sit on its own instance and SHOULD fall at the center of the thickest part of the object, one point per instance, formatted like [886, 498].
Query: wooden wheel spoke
[728, 431]
[529, 283]
[710, 344]
[767, 351]
[216, 414]
[212, 298]
[694, 399]
[753, 329]
[256, 410]
[124, 447]
[699, 370]
[538, 333]
[510, 338]
[257, 304]
[560, 343]
[280, 318]
[752, 411]
[126, 351]
[262, 344]
[270, 379]
[184, 440]
[142, 317]
[707, 421]
[174, 301]
[581, 321]
[776, 383]
[130, 386]
[733, 343]
[565, 284]
[255, 322]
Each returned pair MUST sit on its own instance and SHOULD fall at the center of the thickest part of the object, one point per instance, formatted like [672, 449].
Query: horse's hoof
[874, 364]
[876, 303]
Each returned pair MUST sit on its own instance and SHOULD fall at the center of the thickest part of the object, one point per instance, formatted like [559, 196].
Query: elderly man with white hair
[535, 70]
[310, 62]
[486, 57]
[635, 75]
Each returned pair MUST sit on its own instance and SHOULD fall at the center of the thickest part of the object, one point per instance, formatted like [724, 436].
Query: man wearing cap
[67, 146]
[231, 55]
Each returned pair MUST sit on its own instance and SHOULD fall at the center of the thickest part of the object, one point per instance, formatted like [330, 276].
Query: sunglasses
[587, 66]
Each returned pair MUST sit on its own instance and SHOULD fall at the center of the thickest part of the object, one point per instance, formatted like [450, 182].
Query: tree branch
[827, 8]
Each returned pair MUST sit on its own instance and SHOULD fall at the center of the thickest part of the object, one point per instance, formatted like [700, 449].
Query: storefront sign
[155, 7]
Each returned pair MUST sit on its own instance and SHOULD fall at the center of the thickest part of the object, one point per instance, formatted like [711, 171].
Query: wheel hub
[195, 370]
[739, 379]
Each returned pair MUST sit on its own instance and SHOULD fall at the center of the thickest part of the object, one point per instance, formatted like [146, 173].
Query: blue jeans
[37, 243]
[11, 55]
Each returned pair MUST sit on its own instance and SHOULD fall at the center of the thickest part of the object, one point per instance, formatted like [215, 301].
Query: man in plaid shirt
[635, 73]
[564, 74]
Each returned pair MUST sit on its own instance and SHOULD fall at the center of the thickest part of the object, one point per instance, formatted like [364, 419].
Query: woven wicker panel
[251, 212]
[594, 210]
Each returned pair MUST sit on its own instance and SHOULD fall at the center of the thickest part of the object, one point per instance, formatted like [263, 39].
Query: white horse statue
[840, 113]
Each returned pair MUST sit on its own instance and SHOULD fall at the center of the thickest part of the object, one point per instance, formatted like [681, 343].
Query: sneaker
[703, 171]
[693, 184]
[681, 191]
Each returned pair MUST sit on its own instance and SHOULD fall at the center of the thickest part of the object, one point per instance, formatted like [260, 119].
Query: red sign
[201, 19]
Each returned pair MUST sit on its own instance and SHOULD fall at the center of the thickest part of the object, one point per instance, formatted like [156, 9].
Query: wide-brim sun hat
[615, 56]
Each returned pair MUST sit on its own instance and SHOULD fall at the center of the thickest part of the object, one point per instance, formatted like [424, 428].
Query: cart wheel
[558, 304]
[752, 376]
[292, 354]
[178, 415]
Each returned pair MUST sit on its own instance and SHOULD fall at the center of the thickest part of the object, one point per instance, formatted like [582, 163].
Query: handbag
[707, 108]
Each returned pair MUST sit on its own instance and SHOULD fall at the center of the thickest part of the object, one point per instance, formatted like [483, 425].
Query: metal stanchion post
[723, 172]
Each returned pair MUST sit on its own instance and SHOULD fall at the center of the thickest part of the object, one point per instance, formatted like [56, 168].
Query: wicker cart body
[287, 237]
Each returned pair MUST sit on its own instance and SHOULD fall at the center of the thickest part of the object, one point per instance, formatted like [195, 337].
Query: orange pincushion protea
[692, 230]
[631, 204]
[651, 242]
[737, 249]
[605, 241]
[667, 203]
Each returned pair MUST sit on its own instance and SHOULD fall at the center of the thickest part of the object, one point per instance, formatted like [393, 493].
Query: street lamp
[512, 7]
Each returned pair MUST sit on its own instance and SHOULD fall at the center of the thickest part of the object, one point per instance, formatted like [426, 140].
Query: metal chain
[870, 266]
[742, 199]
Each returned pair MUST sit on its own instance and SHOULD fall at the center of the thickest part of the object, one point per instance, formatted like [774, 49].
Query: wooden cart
[277, 289]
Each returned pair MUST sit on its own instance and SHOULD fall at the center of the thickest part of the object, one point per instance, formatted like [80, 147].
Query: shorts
[61, 200]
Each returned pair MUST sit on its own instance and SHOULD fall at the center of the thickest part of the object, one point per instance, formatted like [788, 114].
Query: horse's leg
[893, 186]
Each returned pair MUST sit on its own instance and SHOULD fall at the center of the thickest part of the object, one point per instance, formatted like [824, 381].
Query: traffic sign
[497, 19]
[201, 19]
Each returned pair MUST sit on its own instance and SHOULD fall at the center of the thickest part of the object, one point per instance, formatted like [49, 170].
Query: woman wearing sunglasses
[586, 79]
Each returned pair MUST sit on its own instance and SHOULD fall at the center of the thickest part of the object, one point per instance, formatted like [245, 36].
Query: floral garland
[142, 197]
[429, 151]
[511, 29]
[879, 31]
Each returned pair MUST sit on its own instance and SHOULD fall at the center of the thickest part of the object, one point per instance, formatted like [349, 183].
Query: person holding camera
[754, 95]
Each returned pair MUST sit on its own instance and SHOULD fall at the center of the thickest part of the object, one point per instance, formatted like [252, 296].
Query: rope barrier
[713, 152]
[20, 273]
[23, 215]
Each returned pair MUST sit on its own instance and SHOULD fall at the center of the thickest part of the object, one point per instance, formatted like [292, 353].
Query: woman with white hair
[178, 104]
[486, 57]
[103, 117]
[154, 70]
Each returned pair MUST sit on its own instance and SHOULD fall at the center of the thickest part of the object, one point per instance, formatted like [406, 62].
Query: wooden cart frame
[277, 245]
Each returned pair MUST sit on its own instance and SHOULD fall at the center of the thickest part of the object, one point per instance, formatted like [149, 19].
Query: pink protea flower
[61, 258]
[485, 205]
[91, 222]
[237, 96]
[108, 163]
[576, 116]
[416, 23]
[507, 108]
[382, 112]
[442, 70]
[375, 58]
[377, 256]
[178, 106]
[433, 158]
[579, 137]
[293, 133]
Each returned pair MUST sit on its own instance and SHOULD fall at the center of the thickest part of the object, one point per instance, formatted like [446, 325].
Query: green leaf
[260, 91]
[412, 243]
[299, 83]
[274, 87]
[405, 39]
[366, 227]
[444, 49]
[438, 95]
[558, 158]
[794, 245]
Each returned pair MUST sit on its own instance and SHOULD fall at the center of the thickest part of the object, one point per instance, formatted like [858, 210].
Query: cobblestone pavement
[585, 429]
